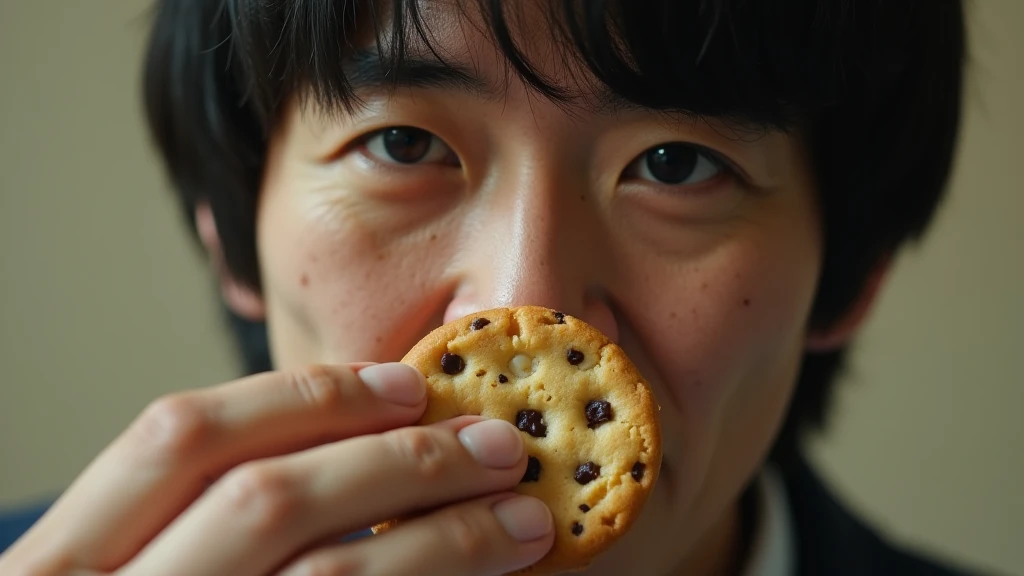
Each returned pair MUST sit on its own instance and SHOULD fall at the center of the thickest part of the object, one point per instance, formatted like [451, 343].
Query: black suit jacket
[833, 542]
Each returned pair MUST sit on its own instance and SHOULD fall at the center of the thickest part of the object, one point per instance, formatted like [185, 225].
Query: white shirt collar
[773, 549]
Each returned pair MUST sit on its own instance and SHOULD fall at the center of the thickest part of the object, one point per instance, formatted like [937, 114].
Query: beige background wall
[104, 303]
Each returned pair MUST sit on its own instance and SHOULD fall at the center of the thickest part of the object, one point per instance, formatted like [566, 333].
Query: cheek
[731, 317]
[339, 286]
[724, 329]
[720, 336]
[752, 321]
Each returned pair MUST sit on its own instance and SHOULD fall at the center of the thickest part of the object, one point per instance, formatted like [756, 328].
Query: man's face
[694, 246]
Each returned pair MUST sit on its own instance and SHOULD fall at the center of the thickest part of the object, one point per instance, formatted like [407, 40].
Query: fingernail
[524, 518]
[395, 382]
[493, 443]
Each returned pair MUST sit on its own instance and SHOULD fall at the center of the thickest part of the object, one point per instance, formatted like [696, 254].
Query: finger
[492, 535]
[264, 512]
[180, 443]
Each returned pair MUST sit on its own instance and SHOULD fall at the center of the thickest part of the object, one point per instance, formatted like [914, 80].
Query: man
[718, 186]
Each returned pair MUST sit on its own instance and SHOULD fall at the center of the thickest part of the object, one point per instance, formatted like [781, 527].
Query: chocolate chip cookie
[588, 418]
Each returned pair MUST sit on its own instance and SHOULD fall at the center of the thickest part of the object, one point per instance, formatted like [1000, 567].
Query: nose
[538, 240]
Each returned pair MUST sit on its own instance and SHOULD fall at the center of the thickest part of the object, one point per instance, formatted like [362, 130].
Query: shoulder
[832, 541]
[15, 522]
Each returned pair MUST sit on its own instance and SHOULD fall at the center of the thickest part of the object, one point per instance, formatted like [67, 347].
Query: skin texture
[707, 286]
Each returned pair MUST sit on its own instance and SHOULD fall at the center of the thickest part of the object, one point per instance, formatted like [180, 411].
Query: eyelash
[366, 145]
[723, 165]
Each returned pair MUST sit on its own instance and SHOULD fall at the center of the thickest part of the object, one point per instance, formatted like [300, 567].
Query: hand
[263, 476]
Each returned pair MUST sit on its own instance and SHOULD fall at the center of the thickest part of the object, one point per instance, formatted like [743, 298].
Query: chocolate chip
[531, 422]
[502, 378]
[532, 470]
[479, 323]
[560, 317]
[587, 472]
[598, 412]
[577, 528]
[584, 508]
[574, 357]
[638, 471]
[452, 363]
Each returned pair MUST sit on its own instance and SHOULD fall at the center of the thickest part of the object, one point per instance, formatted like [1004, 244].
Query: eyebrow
[368, 73]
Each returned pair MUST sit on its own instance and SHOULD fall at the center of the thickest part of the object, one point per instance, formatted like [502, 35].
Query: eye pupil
[406, 145]
[672, 163]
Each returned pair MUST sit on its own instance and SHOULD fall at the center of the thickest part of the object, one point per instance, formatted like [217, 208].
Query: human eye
[677, 164]
[406, 145]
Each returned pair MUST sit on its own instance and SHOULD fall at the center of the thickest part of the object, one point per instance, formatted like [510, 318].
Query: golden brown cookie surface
[589, 420]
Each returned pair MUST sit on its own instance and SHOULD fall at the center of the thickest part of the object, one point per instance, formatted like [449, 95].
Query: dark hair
[873, 87]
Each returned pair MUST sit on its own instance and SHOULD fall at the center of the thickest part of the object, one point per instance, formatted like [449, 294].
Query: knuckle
[32, 562]
[467, 535]
[172, 428]
[261, 498]
[319, 386]
[421, 450]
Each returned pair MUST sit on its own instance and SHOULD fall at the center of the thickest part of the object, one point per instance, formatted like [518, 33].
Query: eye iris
[672, 163]
[406, 145]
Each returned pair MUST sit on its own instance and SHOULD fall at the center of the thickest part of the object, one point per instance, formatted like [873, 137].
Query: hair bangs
[750, 61]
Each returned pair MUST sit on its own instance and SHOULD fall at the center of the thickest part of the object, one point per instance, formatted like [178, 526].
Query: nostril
[598, 314]
[461, 307]
[595, 312]
[594, 309]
